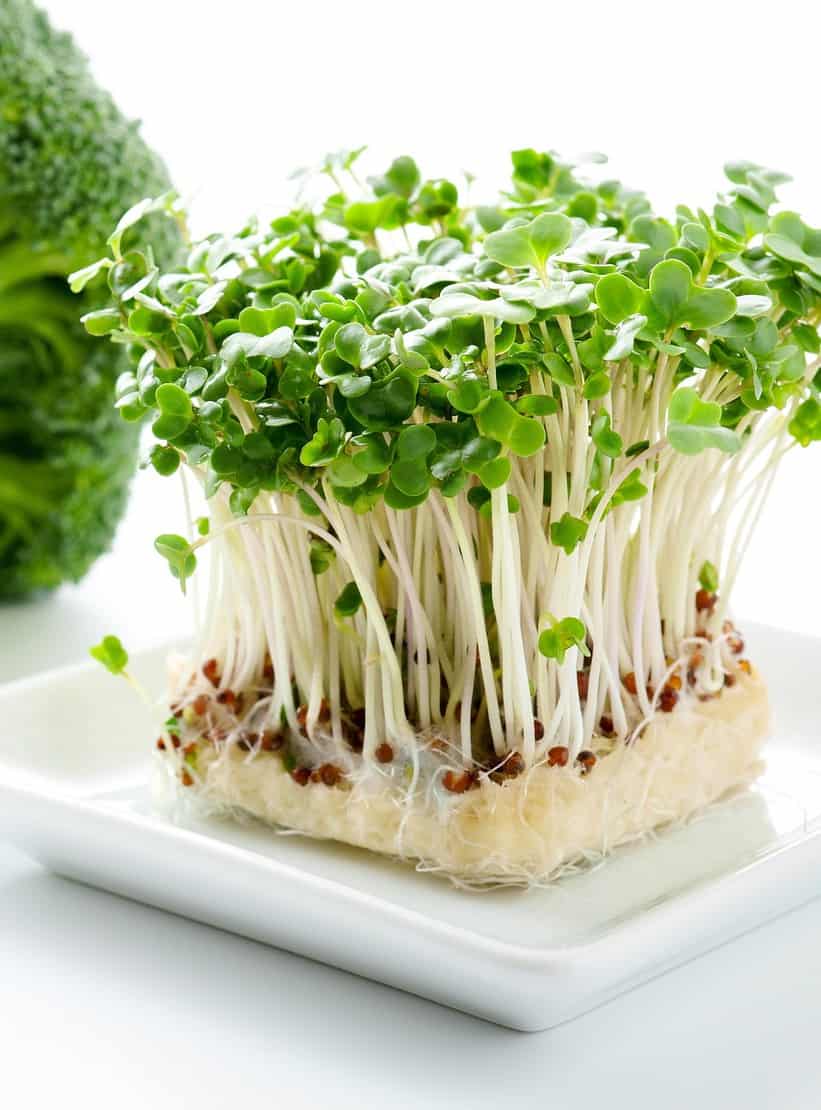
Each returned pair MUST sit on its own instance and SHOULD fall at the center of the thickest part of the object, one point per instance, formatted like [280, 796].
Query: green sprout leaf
[707, 308]
[415, 442]
[670, 284]
[477, 451]
[398, 499]
[695, 425]
[793, 241]
[468, 395]
[402, 177]
[526, 437]
[530, 244]
[176, 550]
[275, 345]
[499, 420]
[596, 386]
[568, 532]
[387, 403]
[165, 460]
[619, 298]
[554, 297]
[535, 404]
[375, 456]
[176, 411]
[456, 305]
[364, 217]
[410, 477]
[606, 440]
[357, 347]
[753, 306]
[631, 489]
[80, 278]
[111, 653]
[561, 636]
[321, 555]
[349, 601]
[559, 369]
[343, 472]
[676, 300]
[805, 426]
[136, 213]
[511, 247]
[103, 321]
[549, 234]
[495, 473]
[324, 445]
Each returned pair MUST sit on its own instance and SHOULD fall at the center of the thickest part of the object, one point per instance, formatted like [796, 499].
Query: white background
[106, 1003]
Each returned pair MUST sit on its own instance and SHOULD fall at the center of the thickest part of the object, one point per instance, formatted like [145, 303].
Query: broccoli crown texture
[70, 164]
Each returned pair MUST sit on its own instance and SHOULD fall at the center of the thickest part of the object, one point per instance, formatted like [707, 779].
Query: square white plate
[75, 767]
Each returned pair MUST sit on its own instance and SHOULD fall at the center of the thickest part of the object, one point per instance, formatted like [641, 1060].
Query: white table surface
[104, 1002]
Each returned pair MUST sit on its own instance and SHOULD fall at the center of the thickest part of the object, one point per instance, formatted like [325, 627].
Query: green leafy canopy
[395, 343]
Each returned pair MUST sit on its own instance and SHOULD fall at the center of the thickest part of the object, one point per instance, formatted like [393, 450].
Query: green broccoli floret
[70, 165]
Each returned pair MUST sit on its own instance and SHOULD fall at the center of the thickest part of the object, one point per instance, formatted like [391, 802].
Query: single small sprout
[111, 653]
[177, 551]
[561, 636]
[113, 656]
[708, 577]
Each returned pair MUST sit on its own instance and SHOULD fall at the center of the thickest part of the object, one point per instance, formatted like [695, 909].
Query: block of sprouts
[479, 482]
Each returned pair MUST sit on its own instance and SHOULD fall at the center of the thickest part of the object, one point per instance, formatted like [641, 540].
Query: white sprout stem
[505, 590]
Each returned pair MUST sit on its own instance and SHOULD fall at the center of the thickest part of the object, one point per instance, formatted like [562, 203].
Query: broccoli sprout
[485, 473]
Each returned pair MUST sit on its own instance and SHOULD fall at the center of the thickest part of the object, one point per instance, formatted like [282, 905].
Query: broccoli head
[70, 165]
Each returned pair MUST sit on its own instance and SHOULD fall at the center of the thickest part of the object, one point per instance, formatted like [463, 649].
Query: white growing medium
[542, 824]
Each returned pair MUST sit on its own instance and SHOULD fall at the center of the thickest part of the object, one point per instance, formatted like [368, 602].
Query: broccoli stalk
[70, 164]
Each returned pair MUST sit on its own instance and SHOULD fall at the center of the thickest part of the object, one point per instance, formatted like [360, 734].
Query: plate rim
[46, 793]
